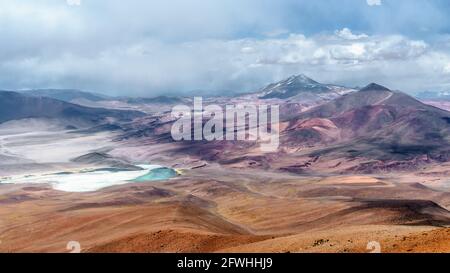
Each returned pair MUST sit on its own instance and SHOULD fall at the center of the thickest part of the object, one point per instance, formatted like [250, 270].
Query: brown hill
[376, 123]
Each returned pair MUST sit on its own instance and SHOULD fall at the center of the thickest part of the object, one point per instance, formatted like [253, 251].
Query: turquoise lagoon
[88, 180]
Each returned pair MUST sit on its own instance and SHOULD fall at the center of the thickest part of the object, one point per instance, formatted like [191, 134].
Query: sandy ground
[213, 208]
[258, 212]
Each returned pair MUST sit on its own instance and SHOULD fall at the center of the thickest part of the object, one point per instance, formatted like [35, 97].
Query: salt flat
[36, 145]
[81, 180]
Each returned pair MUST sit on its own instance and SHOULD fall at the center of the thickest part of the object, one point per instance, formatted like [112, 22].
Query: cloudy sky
[153, 47]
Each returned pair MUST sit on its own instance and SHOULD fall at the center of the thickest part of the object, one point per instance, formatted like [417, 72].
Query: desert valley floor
[215, 208]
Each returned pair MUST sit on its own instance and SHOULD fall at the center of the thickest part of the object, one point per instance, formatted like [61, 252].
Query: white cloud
[73, 2]
[446, 69]
[248, 50]
[346, 33]
[62, 47]
[297, 49]
[374, 2]
[150, 67]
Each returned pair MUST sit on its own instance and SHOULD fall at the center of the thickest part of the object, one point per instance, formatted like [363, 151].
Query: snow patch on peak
[300, 84]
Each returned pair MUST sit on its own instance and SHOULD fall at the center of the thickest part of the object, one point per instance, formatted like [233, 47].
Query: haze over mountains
[67, 95]
[16, 106]
[429, 95]
[438, 99]
[374, 123]
[296, 87]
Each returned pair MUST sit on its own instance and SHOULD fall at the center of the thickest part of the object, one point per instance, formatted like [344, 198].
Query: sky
[157, 47]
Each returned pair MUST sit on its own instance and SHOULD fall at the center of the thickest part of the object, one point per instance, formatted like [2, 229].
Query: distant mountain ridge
[15, 106]
[67, 95]
[375, 128]
[430, 95]
[376, 123]
[154, 100]
[294, 88]
[298, 85]
[77, 97]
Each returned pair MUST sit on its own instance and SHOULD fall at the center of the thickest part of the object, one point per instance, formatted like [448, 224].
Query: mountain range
[429, 95]
[16, 106]
[301, 85]
[67, 95]
[374, 125]
[78, 96]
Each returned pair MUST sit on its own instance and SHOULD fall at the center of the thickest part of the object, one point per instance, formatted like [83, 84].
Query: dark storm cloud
[153, 47]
